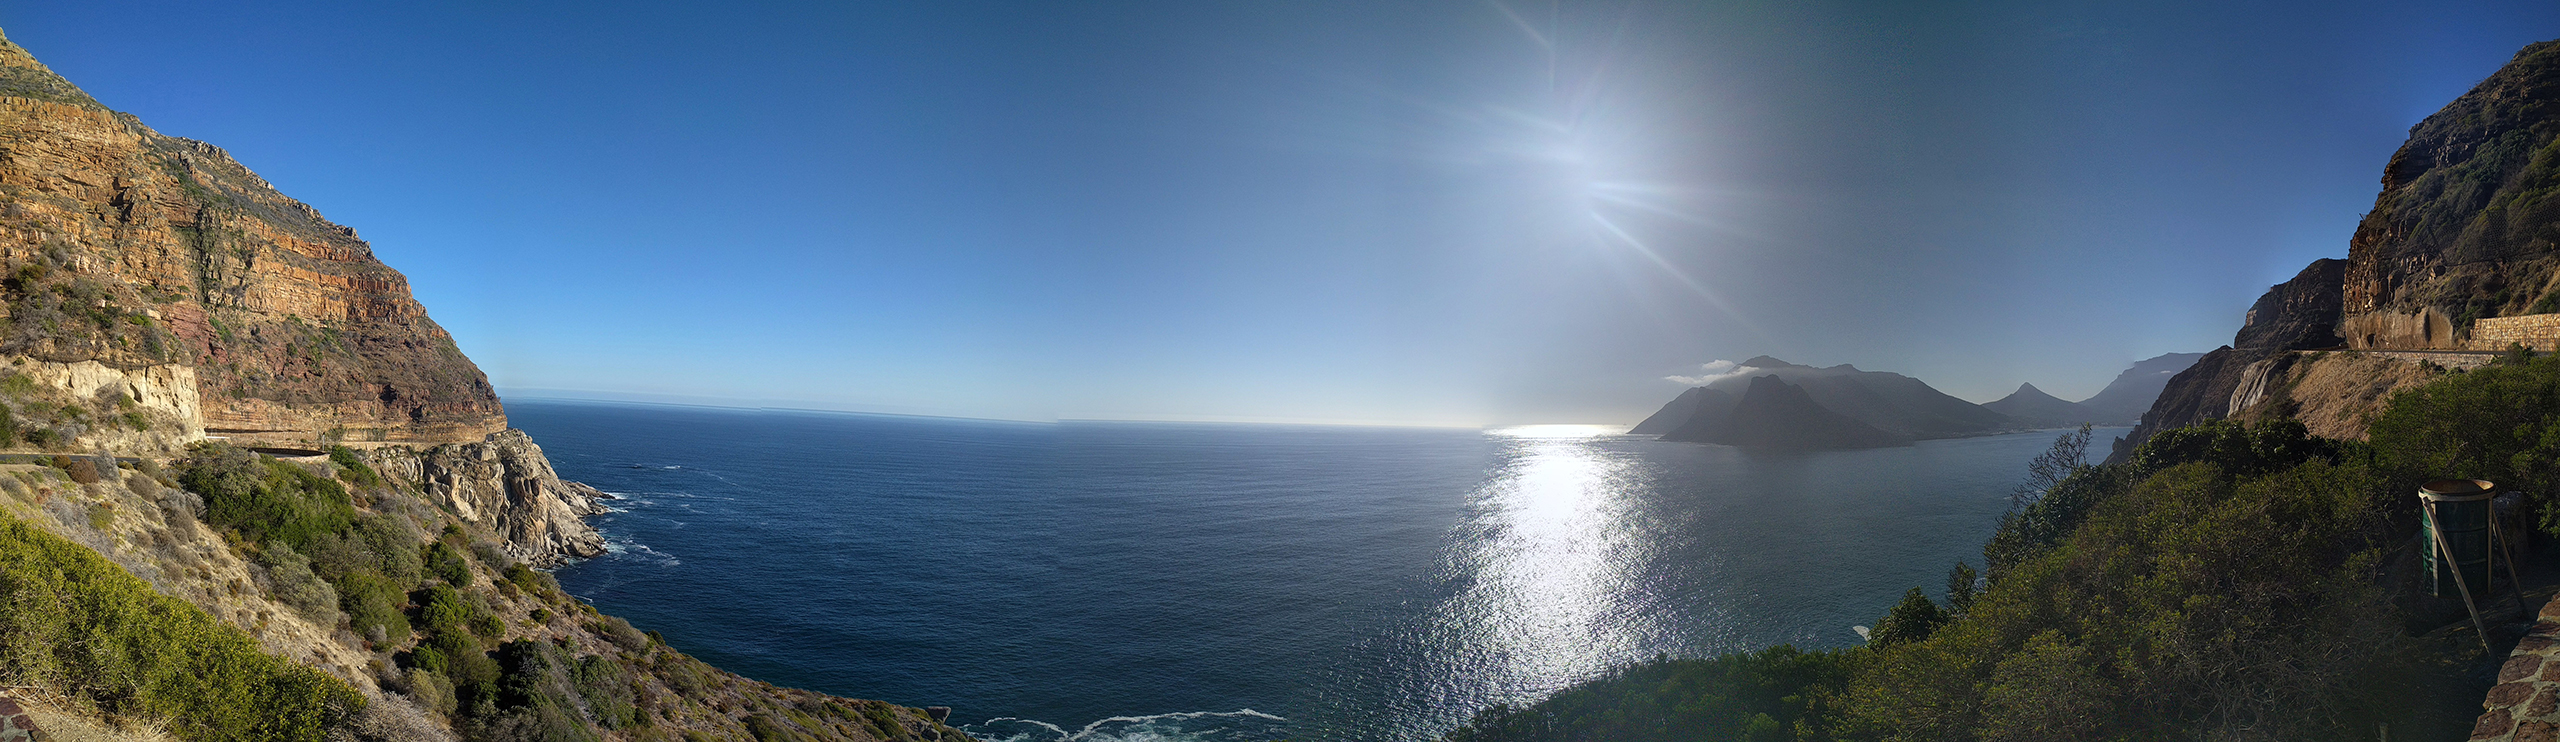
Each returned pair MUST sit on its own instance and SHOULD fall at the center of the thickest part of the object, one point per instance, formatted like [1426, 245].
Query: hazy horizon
[1452, 213]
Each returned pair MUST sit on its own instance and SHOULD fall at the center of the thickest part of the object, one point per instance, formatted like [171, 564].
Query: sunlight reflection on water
[1548, 563]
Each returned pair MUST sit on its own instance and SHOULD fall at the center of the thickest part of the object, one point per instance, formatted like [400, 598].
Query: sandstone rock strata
[132, 249]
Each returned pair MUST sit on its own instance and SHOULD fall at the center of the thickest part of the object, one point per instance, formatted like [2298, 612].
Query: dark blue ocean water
[1127, 581]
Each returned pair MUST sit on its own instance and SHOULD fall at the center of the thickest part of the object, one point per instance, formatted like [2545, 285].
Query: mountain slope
[154, 291]
[1775, 414]
[1895, 403]
[2465, 235]
[2032, 406]
[2132, 392]
[1695, 403]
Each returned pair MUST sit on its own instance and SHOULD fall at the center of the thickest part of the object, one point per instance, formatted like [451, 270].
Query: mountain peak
[1766, 362]
[1775, 414]
[22, 76]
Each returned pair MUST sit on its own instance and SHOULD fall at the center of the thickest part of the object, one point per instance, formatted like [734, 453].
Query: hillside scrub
[2500, 423]
[2225, 583]
[1771, 694]
[82, 626]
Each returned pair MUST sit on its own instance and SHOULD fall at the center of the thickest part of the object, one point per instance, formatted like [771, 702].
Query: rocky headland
[166, 306]
[1897, 407]
[2458, 261]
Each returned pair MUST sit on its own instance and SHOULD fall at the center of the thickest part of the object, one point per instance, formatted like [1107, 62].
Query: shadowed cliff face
[2467, 227]
[2299, 314]
[134, 249]
[2468, 220]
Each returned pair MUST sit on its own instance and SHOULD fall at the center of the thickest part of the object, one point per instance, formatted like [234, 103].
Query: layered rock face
[153, 268]
[2468, 222]
[504, 483]
[2461, 252]
[132, 249]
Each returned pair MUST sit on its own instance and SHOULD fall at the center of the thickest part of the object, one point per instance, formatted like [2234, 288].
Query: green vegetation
[264, 499]
[79, 625]
[353, 468]
[1773, 694]
[2226, 582]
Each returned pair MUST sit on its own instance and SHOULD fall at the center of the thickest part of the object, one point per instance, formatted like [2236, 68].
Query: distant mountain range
[1772, 413]
[1766, 402]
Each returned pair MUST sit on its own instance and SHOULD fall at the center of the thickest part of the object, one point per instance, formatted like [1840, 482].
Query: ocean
[1141, 581]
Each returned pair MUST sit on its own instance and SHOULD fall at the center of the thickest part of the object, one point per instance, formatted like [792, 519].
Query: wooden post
[2435, 533]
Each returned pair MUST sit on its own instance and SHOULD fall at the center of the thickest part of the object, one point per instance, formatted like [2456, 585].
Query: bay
[1126, 581]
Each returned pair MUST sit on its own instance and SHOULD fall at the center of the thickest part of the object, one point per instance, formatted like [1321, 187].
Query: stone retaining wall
[2525, 704]
[2536, 331]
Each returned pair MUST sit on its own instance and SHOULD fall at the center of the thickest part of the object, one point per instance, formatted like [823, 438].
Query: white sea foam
[1183, 726]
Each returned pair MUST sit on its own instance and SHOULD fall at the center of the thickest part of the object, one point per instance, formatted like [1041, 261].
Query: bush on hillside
[77, 624]
[352, 468]
[445, 563]
[2500, 423]
[2193, 605]
[1755, 696]
[263, 499]
[290, 579]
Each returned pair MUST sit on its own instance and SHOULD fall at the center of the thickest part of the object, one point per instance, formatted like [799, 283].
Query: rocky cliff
[158, 269]
[2298, 314]
[2468, 220]
[158, 298]
[133, 249]
[502, 483]
[2464, 236]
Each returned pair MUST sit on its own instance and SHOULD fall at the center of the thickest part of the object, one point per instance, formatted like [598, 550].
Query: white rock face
[503, 482]
[166, 392]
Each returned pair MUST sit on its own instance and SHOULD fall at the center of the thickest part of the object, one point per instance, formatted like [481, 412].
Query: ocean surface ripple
[1116, 582]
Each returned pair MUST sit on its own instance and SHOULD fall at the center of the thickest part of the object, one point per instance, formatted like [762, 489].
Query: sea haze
[1121, 581]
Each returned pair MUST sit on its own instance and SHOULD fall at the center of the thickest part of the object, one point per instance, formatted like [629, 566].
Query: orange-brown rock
[131, 248]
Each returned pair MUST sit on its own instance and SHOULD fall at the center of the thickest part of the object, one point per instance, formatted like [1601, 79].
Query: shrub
[352, 467]
[2195, 605]
[77, 622]
[1746, 696]
[619, 631]
[264, 499]
[607, 688]
[2238, 450]
[81, 470]
[373, 604]
[2500, 423]
[289, 576]
[1911, 620]
[442, 561]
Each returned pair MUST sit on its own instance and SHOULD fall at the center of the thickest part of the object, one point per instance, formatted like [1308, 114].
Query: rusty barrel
[2458, 511]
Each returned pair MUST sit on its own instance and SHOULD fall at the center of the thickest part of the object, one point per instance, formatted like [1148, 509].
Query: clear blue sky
[1426, 212]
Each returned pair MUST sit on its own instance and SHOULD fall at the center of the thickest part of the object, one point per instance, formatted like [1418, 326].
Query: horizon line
[533, 394]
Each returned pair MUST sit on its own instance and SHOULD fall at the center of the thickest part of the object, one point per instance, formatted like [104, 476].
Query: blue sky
[1429, 212]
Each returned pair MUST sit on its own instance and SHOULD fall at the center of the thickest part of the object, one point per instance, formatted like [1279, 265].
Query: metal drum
[2458, 509]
